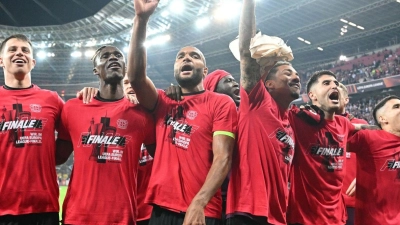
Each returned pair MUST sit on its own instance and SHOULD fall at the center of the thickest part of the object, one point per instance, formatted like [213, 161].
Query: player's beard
[295, 95]
[192, 81]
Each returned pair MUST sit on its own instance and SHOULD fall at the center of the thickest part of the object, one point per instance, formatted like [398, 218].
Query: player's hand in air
[144, 8]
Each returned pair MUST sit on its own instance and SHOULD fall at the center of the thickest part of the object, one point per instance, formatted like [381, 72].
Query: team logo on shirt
[35, 108]
[107, 145]
[21, 126]
[393, 165]
[180, 130]
[191, 114]
[286, 140]
[122, 124]
[330, 151]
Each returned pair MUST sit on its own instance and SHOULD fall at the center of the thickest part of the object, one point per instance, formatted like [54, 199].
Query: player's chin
[334, 107]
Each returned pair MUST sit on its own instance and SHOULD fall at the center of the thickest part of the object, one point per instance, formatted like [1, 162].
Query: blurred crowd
[360, 69]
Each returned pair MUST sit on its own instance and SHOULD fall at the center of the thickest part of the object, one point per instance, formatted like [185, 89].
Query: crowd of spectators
[360, 69]
[362, 107]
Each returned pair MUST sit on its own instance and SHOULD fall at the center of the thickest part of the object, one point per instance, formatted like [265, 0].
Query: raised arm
[144, 88]
[249, 69]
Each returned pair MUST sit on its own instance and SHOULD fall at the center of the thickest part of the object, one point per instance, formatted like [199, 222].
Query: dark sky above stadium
[23, 13]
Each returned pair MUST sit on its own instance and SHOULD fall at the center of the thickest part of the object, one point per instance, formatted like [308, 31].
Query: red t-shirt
[378, 177]
[143, 177]
[350, 172]
[260, 169]
[184, 153]
[107, 137]
[28, 180]
[318, 171]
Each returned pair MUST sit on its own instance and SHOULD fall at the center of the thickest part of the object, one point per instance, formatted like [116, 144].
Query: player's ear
[205, 72]
[312, 96]
[95, 72]
[382, 120]
[34, 63]
[269, 84]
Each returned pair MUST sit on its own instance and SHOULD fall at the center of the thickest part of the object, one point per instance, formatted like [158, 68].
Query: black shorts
[350, 215]
[161, 216]
[142, 222]
[244, 220]
[50, 218]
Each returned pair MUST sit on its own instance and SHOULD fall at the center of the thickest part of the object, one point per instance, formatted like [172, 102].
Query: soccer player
[318, 164]
[107, 135]
[29, 116]
[144, 170]
[195, 136]
[350, 168]
[219, 81]
[222, 82]
[258, 187]
[378, 166]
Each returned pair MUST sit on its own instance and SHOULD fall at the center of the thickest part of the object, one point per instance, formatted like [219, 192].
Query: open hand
[144, 8]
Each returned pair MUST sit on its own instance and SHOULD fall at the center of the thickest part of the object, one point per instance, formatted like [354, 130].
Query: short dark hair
[96, 53]
[314, 78]
[380, 105]
[274, 69]
[17, 36]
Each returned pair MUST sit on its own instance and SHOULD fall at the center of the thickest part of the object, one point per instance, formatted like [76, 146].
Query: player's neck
[111, 91]
[329, 115]
[392, 131]
[282, 103]
[195, 89]
[18, 82]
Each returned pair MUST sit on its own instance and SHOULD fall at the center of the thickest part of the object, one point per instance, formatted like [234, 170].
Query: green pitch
[63, 191]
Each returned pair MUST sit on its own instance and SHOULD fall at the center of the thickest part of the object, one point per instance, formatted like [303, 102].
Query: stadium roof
[63, 26]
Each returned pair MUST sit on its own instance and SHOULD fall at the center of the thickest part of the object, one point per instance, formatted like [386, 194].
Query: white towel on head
[265, 49]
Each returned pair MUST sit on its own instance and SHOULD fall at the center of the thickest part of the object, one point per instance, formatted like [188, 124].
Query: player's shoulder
[48, 96]
[73, 102]
[218, 97]
[341, 119]
[358, 121]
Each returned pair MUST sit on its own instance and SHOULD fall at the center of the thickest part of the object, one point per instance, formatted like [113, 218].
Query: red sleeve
[258, 96]
[150, 131]
[351, 127]
[160, 101]
[356, 142]
[225, 116]
[358, 121]
[63, 132]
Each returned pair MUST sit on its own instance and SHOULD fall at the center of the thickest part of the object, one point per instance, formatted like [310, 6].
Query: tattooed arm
[249, 69]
